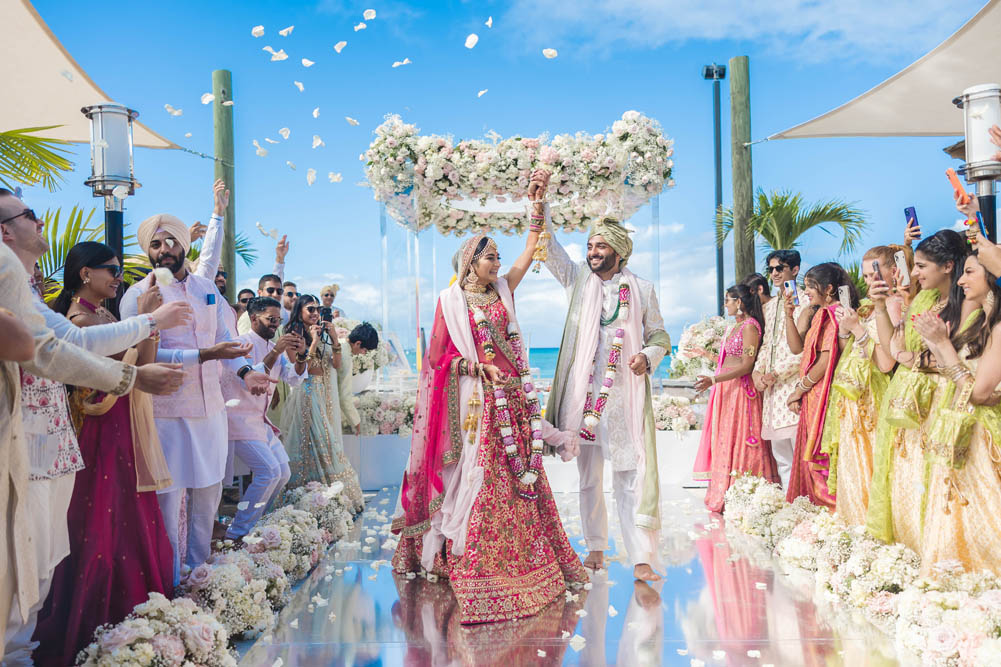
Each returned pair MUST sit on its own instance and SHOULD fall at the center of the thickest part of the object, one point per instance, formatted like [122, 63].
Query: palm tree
[781, 218]
[32, 160]
[854, 270]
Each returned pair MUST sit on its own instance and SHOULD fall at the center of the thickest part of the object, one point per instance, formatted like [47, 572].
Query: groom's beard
[607, 263]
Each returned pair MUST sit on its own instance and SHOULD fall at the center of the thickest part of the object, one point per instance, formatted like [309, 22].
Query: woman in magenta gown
[119, 552]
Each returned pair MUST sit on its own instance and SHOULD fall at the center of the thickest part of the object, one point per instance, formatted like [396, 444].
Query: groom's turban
[615, 235]
[166, 223]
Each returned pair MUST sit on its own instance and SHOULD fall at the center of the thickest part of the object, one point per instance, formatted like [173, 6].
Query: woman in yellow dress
[962, 518]
[896, 496]
[860, 381]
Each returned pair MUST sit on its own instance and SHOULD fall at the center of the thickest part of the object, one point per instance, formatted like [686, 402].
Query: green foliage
[244, 249]
[62, 234]
[854, 269]
[780, 219]
[31, 160]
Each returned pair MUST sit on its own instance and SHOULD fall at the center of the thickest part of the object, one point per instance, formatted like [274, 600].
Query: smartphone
[845, 296]
[980, 221]
[790, 286]
[911, 216]
[901, 262]
[875, 269]
[964, 198]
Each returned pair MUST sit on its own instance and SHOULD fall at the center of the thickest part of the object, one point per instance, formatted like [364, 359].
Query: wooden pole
[743, 187]
[222, 126]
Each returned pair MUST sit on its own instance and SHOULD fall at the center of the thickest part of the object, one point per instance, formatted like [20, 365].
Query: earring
[86, 281]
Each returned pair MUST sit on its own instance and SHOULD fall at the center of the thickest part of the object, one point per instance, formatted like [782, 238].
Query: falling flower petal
[316, 112]
[306, 62]
[331, 617]
[550, 53]
[207, 98]
[257, 30]
[565, 634]
[285, 32]
[310, 176]
[400, 63]
[360, 26]
[339, 46]
[187, 135]
[268, 49]
[369, 14]
[298, 84]
[294, 624]
[163, 276]
[754, 653]
[719, 655]
[482, 93]
[270, 140]
[335, 177]
[612, 611]
[541, 653]
[278, 662]
[290, 164]
[471, 40]
[259, 505]
[281, 55]
[273, 233]
[284, 132]
[242, 505]
[761, 586]
[261, 152]
[232, 403]
[228, 103]
[317, 141]
[581, 613]
[682, 651]
[577, 643]
[319, 601]
[260, 228]
[172, 111]
[490, 22]
[351, 121]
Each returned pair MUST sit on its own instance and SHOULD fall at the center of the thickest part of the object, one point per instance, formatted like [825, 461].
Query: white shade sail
[44, 85]
[917, 101]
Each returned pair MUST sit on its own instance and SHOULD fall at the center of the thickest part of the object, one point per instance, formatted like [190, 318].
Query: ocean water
[544, 359]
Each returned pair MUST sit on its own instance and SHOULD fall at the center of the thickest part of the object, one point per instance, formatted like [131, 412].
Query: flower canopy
[483, 185]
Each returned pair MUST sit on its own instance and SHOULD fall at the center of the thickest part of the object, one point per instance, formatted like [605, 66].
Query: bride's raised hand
[493, 374]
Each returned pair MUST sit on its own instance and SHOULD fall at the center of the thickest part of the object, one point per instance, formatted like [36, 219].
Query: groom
[613, 339]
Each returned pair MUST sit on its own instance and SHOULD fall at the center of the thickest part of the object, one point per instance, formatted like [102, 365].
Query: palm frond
[62, 237]
[854, 269]
[32, 160]
[781, 218]
[244, 249]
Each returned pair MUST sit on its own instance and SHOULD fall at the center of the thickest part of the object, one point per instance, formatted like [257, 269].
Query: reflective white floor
[721, 603]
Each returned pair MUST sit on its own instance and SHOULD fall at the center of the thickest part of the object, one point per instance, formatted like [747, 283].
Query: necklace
[481, 297]
[97, 310]
[593, 408]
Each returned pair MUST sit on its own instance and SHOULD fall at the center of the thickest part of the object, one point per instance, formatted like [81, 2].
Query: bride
[476, 505]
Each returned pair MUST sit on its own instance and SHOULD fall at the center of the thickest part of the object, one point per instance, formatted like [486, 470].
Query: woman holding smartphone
[815, 335]
[311, 419]
[895, 508]
[860, 381]
[731, 438]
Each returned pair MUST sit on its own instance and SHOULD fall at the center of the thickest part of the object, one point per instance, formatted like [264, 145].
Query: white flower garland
[594, 408]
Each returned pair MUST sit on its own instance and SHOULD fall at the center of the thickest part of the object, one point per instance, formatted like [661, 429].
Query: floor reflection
[721, 603]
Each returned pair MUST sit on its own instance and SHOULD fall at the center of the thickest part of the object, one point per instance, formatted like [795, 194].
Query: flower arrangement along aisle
[386, 413]
[698, 349]
[615, 172]
[235, 593]
[949, 619]
[673, 413]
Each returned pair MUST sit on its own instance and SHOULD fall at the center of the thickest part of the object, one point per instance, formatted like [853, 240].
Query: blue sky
[806, 57]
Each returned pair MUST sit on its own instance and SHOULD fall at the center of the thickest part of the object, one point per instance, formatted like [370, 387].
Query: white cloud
[806, 29]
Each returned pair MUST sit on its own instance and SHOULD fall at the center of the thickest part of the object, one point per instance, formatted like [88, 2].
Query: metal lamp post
[981, 107]
[111, 165]
[717, 73]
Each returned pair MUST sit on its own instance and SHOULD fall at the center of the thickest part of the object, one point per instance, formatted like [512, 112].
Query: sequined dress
[517, 557]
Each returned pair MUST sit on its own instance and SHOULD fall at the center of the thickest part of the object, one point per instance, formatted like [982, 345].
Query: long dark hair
[975, 336]
[942, 247]
[295, 323]
[83, 255]
[749, 302]
[833, 275]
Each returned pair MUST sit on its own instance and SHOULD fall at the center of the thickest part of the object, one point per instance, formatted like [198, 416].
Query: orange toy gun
[960, 191]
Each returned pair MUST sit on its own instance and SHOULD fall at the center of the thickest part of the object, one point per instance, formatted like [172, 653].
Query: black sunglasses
[28, 213]
[274, 290]
[291, 294]
[116, 269]
[245, 299]
[311, 309]
[222, 273]
[778, 267]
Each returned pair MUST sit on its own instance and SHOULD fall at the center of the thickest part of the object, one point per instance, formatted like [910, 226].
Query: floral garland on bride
[614, 172]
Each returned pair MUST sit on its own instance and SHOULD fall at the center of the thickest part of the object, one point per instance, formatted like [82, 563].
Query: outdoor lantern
[981, 109]
[111, 173]
[111, 149]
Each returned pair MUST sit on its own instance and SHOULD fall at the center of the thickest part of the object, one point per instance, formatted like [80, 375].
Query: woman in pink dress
[476, 506]
[119, 551]
[731, 437]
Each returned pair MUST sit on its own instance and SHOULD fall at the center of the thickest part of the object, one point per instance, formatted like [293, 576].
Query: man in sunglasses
[33, 506]
[290, 295]
[242, 299]
[270, 285]
[192, 422]
[776, 370]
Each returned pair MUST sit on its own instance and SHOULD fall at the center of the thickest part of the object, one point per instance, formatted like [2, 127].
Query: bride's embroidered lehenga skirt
[517, 558]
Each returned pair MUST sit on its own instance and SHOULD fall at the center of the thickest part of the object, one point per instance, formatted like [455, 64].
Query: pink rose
[882, 602]
[386, 428]
[271, 537]
[968, 646]
[530, 143]
[943, 640]
[117, 637]
[169, 648]
[549, 155]
[199, 577]
[199, 637]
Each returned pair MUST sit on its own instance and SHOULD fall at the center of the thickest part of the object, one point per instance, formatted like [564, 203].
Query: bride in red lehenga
[476, 505]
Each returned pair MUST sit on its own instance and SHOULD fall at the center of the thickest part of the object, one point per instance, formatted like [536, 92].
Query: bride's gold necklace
[479, 295]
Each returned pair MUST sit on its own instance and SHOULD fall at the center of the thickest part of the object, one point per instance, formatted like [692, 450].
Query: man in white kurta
[252, 437]
[628, 451]
[776, 370]
[191, 422]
